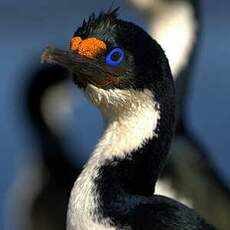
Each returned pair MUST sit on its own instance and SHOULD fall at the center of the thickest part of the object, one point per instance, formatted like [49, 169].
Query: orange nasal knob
[90, 47]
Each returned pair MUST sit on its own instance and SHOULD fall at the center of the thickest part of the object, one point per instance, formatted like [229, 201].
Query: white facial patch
[132, 117]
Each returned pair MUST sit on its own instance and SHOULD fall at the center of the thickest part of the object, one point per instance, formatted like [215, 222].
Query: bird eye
[115, 57]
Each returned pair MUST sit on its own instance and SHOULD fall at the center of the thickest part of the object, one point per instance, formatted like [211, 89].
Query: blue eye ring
[109, 57]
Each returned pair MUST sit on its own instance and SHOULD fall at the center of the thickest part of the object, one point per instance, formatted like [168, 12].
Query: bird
[41, 199]
[176, 25]
[57, 171]
[125, 73]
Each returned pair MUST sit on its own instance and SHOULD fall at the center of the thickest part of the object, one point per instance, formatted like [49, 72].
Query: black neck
[137, 173]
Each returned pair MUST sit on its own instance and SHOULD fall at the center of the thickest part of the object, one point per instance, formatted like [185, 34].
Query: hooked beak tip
[47, 55]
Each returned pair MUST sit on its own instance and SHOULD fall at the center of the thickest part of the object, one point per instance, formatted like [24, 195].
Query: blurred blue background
[27, 27]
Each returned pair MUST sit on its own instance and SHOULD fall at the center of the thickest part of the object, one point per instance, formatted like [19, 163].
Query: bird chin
[82, 84]
[101, 83]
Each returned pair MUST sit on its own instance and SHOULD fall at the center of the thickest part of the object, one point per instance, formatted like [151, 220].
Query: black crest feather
[104, 19]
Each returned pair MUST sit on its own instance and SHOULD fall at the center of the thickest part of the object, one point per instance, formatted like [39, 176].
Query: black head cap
[145, 64]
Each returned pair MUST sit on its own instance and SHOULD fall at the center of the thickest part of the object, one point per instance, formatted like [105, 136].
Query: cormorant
[126, 74]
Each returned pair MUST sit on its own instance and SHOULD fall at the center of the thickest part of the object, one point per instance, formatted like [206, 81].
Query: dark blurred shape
[192, 176]
[58, 172]
[189, 172]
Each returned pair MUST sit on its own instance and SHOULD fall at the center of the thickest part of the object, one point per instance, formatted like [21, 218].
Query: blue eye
[115, 57]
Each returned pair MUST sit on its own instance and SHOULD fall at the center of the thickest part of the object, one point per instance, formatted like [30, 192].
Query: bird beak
[85, 70]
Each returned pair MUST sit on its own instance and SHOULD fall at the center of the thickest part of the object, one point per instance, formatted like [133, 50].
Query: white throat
[132, 118]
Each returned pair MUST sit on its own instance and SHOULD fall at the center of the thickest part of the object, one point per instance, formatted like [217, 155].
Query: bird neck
[127, 159]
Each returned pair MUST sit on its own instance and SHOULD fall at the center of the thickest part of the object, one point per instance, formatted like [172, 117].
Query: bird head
[113, 61]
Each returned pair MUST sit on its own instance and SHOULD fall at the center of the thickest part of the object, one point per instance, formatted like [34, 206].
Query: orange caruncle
[90, 47]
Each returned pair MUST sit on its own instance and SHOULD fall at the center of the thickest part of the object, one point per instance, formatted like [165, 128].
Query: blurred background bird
[57, 171]
[197, 171]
